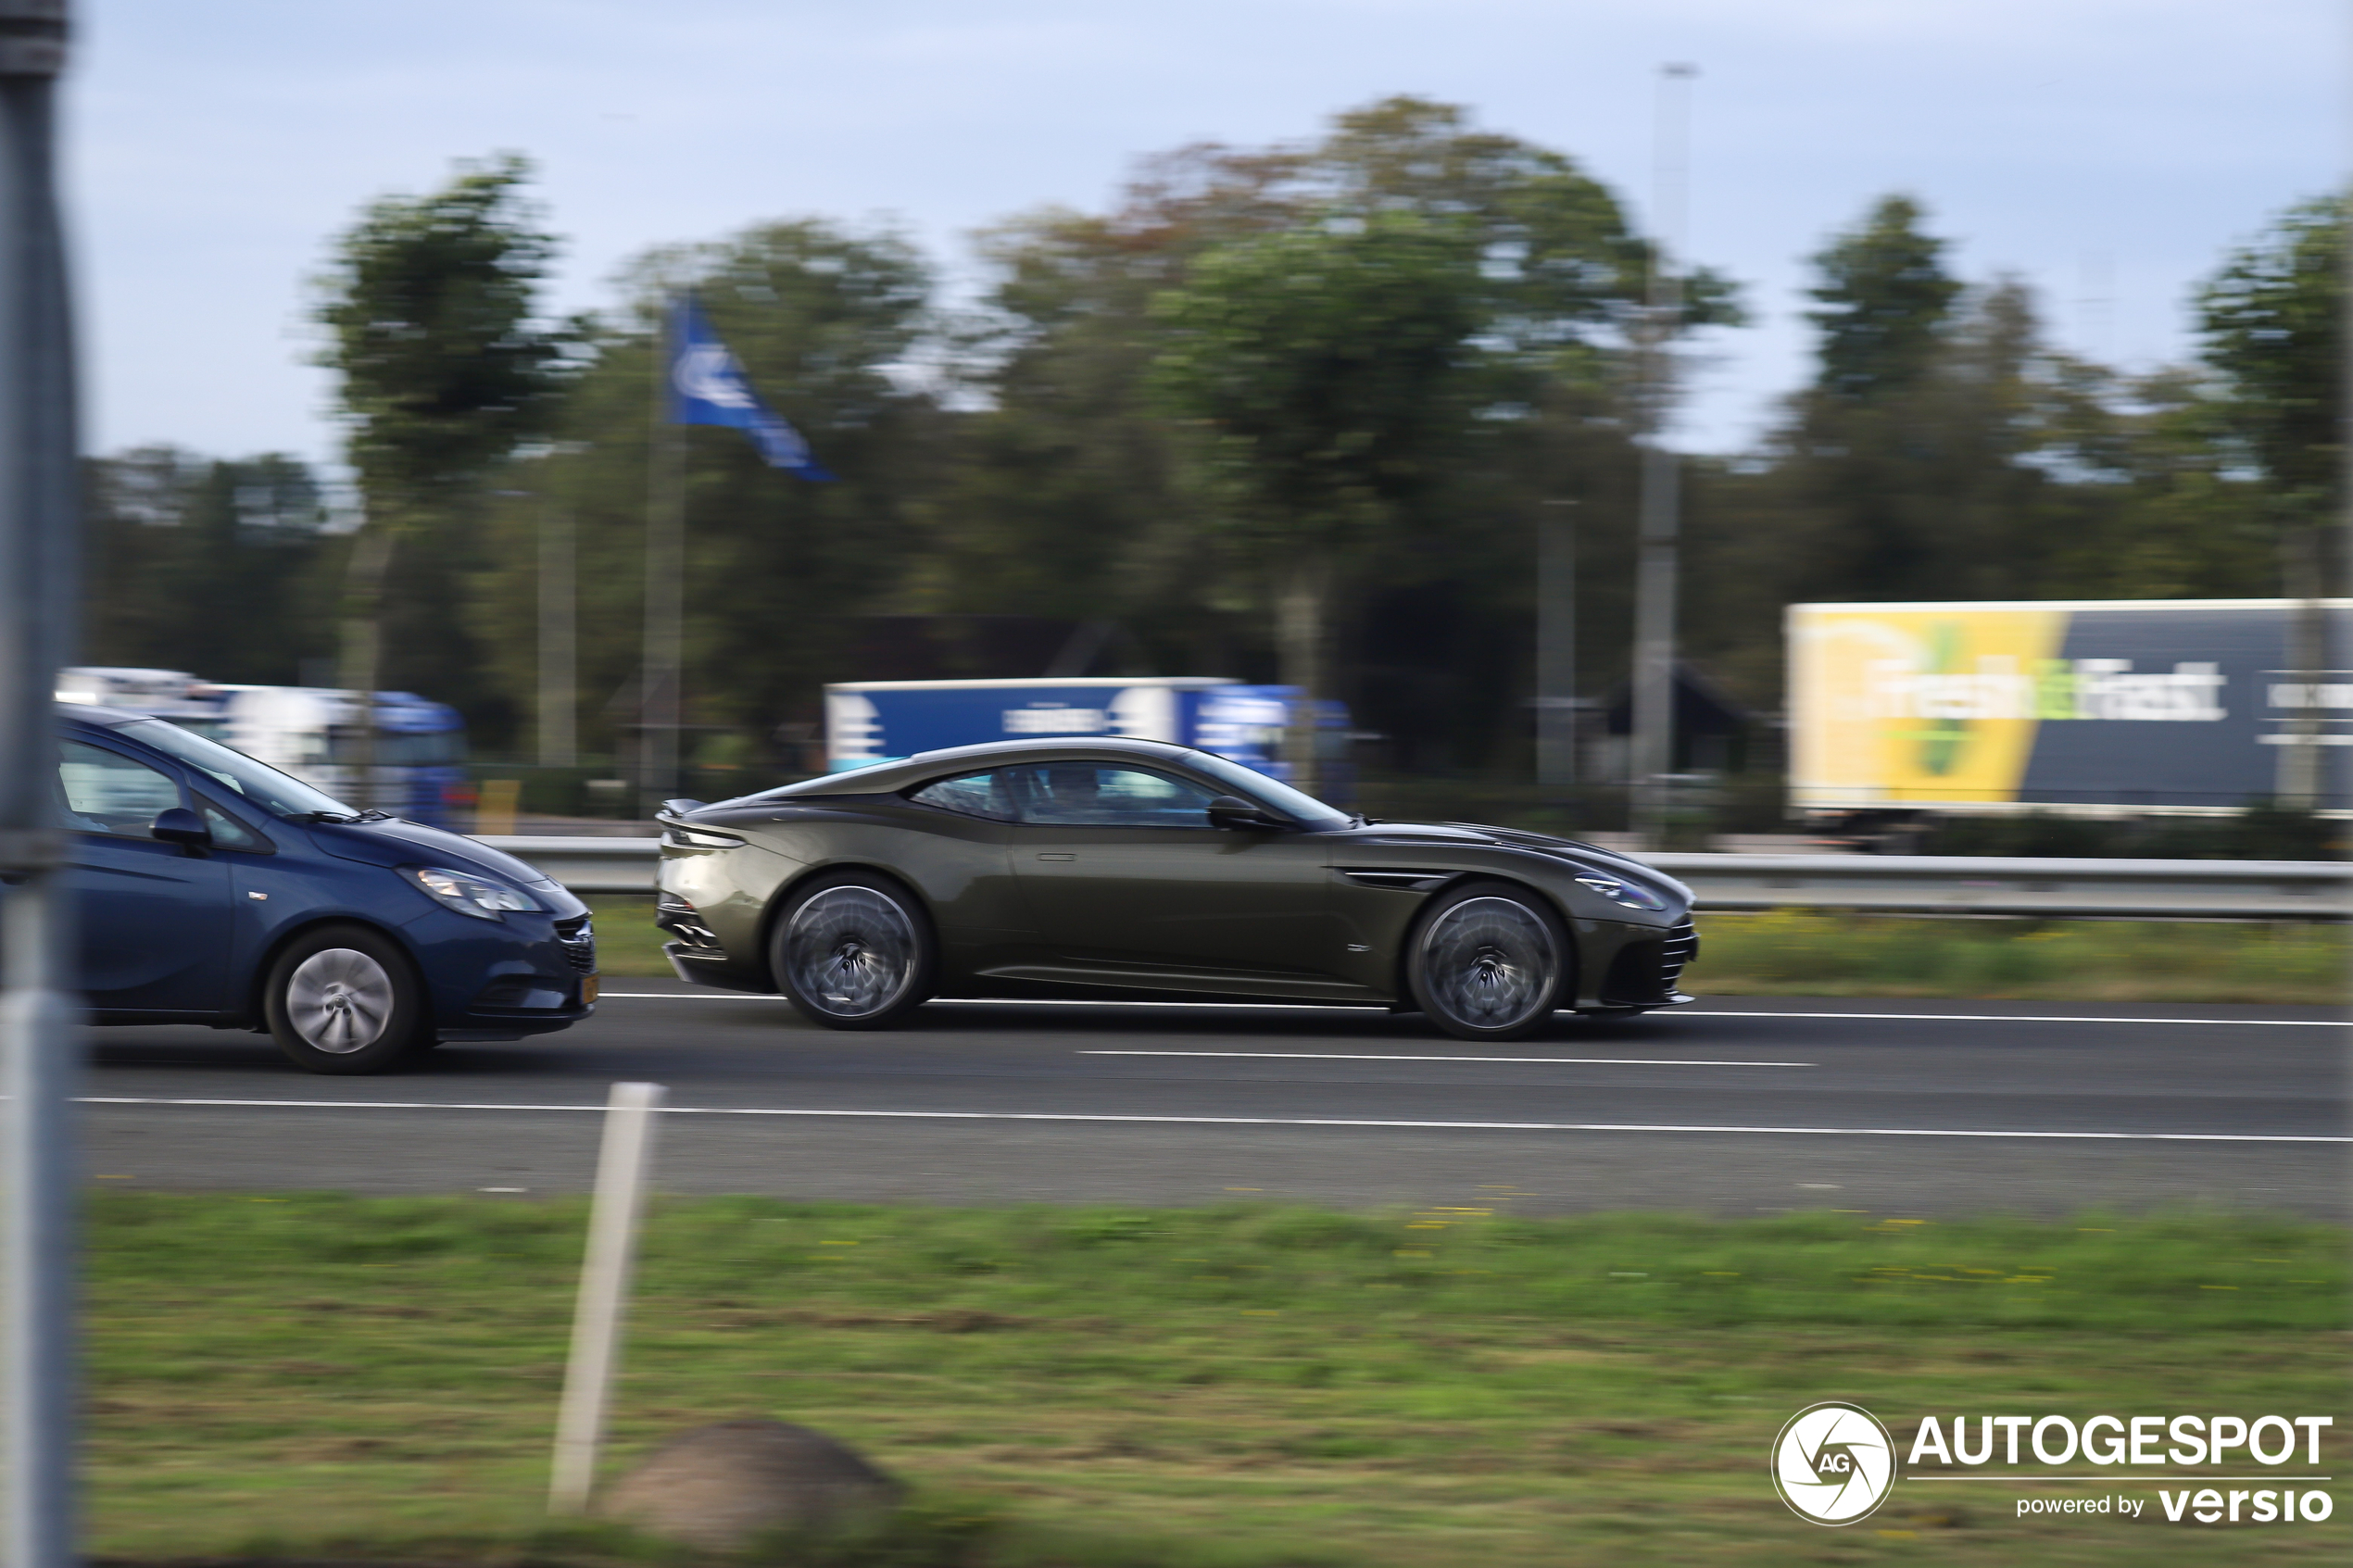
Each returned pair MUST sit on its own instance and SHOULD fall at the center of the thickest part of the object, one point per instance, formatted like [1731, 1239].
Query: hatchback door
[1122, 872]
[153, 917]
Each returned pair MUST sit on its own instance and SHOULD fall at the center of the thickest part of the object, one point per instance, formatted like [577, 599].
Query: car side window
[106, 792]
[1107, 795]
[972, 794]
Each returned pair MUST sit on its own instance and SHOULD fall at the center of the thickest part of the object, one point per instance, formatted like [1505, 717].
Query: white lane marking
[1231, 1120]
[2035, 1017]
[1362, 1007]
[1373, 1056]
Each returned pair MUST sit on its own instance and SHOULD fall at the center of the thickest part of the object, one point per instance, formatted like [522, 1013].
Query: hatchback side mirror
[177, 824]
[1233, 811]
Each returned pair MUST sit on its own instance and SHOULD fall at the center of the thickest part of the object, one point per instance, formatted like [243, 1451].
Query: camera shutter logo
[1833, 1463]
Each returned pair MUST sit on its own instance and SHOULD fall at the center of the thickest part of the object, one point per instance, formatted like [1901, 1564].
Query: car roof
[886, 778]
[103, 718]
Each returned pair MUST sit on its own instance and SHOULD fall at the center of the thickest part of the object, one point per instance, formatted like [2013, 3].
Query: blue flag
[708, 387]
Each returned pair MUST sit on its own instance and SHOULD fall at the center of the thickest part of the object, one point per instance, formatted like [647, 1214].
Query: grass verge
[320, 1375]
[1797, 952]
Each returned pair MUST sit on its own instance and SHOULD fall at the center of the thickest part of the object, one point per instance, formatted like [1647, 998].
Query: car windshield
[1299, 806]
[279, 794]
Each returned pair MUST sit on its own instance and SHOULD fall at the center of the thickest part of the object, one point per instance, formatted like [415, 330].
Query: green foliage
[1884, 297]
[219, 568]
[428, 305]
[2273, 321]
[818, 315]
[1331, 367]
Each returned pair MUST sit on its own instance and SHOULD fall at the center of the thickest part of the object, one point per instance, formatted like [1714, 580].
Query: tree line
[1287, 412]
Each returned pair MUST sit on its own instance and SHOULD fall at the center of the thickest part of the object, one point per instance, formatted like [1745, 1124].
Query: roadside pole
[604, 1292]
[39, 589]
[1557, 643]
[659, 705]
[1656, 586]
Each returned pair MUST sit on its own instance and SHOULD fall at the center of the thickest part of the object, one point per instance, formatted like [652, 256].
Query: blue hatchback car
[213, 889]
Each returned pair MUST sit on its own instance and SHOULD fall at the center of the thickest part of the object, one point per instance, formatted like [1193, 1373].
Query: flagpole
[658, 699]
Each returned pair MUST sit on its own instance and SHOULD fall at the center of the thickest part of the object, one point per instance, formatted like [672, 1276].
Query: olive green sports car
[1119, 869]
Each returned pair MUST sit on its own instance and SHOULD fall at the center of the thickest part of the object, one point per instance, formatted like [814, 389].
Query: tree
[1885, 297]
[1075, 494]
[1332, 371]
[822, 319]
[216, 568]
[444, 370]
[2273, 325]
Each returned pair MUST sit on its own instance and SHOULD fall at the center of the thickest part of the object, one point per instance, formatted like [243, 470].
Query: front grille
[1680, 948]
[578, 937]
[1645, 974]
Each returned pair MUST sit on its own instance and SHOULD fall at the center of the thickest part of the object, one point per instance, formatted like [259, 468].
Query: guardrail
[1883, 883]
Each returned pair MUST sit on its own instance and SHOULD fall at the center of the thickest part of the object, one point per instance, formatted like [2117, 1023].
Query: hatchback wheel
[1487, 962]
[853, 951]
[345, 999]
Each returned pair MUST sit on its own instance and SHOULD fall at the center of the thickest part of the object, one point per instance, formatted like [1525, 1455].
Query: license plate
[589, 990]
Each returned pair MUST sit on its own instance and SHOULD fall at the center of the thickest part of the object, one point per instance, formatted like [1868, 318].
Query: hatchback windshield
[279, 794]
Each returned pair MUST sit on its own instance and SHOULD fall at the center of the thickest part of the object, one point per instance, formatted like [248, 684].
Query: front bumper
[529, 973]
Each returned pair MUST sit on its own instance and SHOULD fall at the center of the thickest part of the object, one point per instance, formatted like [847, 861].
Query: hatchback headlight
[480, 896]
[1633, 895]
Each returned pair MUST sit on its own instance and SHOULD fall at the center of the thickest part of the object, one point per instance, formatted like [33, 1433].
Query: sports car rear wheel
[1487, 962]
[853, 951]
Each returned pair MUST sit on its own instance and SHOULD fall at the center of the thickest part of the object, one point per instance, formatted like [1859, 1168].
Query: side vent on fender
[1402, 881]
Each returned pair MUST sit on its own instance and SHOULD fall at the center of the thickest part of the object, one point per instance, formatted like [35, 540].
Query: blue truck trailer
[870, 722]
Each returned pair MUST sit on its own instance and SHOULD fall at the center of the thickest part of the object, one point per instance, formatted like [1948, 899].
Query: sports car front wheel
[853, 951]
[1487, 962]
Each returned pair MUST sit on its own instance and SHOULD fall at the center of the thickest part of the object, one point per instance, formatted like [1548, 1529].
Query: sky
[2109, 152]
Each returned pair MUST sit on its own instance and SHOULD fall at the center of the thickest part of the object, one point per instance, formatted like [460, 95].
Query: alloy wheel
[1488, 963]
[851, 951]
[339, 1000]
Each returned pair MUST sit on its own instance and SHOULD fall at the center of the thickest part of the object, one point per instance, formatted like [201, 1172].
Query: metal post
[658, 703]
[559, 637]
[37, 592]
[604, 1291]
[1654, 582]
[1557, 643]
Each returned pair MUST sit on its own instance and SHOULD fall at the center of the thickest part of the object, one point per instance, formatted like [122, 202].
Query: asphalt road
[1738, 1106]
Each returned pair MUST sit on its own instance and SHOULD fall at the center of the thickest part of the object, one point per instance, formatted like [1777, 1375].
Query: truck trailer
[2083, 707]
[869, 721]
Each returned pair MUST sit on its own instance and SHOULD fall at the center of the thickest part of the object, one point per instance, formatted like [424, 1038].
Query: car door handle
[1058, 857]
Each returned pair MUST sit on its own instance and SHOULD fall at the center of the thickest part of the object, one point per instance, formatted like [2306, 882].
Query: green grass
[322, 1375]
[1797, 952]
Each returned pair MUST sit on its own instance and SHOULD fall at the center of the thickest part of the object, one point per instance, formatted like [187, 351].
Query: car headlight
[1633, 895]
[480, 896]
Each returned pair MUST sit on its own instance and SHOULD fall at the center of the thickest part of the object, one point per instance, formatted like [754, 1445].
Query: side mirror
[1233, 811]
[177, 824]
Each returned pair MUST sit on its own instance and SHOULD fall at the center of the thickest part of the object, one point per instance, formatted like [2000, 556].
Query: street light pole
[37, 592]
[659, 705]
[559, 632]
[1557, 643]
[1655, 573]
